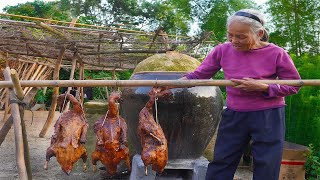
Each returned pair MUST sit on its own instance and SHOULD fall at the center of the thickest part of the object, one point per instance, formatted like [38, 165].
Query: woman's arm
[285, 70]
[208, 67]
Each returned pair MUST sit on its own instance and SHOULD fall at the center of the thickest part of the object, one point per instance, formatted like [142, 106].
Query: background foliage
[294, 25]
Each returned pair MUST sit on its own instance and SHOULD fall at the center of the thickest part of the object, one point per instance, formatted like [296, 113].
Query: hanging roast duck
[111, 132]
[153, 141]
[70, 130]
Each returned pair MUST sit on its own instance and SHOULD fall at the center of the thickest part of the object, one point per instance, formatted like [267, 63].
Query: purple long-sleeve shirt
[269, 62]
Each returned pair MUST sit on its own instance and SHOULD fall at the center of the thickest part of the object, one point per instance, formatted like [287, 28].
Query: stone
[138, 172]
[198, 167]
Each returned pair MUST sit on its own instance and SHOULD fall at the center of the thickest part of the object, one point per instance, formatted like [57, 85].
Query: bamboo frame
[132, 83]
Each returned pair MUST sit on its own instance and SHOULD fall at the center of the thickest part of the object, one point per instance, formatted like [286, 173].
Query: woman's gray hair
[255, 25]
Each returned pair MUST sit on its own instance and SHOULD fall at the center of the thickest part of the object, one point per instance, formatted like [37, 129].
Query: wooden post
[17, 132]
[54, 95]
[81, 78]
[73, 68]
[20, 95]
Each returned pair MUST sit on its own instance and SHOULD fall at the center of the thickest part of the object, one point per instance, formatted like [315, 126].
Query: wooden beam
[54, 95]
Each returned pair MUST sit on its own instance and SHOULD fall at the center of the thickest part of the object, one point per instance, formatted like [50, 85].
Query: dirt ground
[38, 146]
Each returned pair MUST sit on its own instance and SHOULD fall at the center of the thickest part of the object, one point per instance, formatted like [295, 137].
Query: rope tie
[14, 100]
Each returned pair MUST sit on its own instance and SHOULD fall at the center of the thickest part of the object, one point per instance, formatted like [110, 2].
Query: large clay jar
[189, 118]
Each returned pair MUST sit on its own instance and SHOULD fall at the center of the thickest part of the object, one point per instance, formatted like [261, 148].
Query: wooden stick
[5, 129]
[33, 77]
[54, 94]
[134, 83]
[38, 77]
[124, 51]
[81, 78]
[52, 30]
[73, 21]
[30, 71]
[20, 95]
[74, 64]
[17, 132]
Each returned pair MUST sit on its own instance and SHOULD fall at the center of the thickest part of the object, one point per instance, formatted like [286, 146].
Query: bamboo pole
[54, 95]
[20, 95]
[30, 71]
[135, 83]
[33, 78]
[17, 132]
[37, 77]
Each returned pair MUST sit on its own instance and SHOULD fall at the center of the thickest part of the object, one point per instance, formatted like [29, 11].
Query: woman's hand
[249, 84]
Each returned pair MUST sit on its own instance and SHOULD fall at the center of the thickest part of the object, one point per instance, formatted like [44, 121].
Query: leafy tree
[38, 8]
[172, 15]
[303, 109]
[296, 25]
[215, 20]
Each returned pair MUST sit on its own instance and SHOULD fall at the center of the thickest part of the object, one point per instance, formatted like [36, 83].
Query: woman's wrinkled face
[241, 36]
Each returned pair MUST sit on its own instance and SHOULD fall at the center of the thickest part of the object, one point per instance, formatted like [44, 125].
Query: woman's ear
[261, 33]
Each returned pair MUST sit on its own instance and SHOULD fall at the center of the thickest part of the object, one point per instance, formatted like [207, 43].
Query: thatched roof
[98, 47]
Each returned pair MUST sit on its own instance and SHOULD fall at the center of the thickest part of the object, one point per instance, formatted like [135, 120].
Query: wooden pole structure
[20, 96]
[54, 95]
[135, 83]
[17, 132]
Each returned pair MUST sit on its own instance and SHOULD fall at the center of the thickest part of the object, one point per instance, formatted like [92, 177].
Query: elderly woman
[255, 111]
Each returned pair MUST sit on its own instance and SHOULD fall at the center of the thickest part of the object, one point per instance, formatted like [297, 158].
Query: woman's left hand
[249, 84]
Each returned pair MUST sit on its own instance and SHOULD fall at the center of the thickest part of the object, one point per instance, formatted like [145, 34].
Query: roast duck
[70, 130]
[111, 133]
[153, 141]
